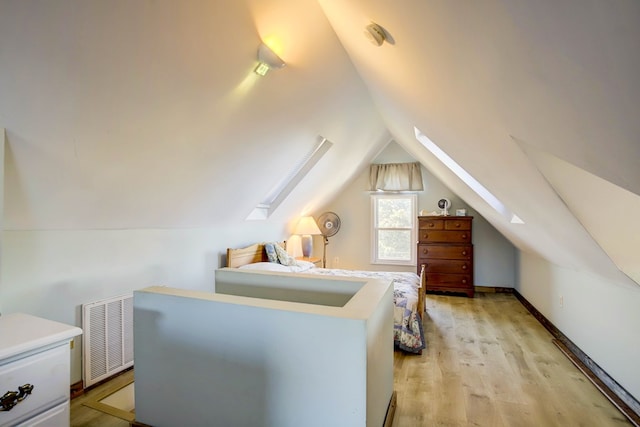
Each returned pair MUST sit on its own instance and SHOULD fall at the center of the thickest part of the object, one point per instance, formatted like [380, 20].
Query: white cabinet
[56, 416]
[34, 371]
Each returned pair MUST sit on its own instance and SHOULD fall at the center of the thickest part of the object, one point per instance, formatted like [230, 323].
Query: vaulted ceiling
[147, 114]
[539, 101]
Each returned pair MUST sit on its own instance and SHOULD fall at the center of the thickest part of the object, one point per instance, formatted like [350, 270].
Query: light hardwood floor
[83, 416]
[488, 362]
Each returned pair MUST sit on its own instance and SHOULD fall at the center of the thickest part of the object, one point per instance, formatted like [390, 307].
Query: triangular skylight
[280, 192]
[466, 177]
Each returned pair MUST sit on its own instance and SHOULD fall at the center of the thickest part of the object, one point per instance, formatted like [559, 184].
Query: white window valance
[395, 177]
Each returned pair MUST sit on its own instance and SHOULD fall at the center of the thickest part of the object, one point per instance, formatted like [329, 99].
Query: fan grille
[329, 223]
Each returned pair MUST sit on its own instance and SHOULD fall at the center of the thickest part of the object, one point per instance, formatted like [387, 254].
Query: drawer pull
[464, 281]
[464, 267]
[457, 225]
[431, 224]
[12, 398]
[425, 251]
[464, 236]
[464, 252]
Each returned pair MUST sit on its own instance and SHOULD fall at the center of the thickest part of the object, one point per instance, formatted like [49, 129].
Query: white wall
[600, 316]
[217, 359]
[333, 293]
[50, 273]
[494, 256]
[138, 139]
[2, 147]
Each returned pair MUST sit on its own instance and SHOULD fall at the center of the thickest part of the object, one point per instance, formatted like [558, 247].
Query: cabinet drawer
[457, 224]
[47, 371]
[444, 236]
[439, 280]
[447, 266]
[58, 416]
[430, 224]
[444, 252]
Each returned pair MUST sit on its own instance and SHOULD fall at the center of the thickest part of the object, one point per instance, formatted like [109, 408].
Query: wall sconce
[306, 227]
[267, 60]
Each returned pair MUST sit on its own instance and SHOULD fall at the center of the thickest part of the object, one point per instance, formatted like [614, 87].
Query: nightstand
[315, 260]
[34, 370]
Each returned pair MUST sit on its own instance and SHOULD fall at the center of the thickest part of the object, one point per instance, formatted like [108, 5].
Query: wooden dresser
[34, 371]
[444, 247]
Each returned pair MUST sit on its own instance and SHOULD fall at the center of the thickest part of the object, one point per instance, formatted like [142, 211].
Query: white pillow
[265, 266]
[302, 266]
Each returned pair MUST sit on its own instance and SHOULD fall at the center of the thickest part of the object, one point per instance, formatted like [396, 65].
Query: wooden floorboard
[84, 416]
[488, 362]
[620, 397]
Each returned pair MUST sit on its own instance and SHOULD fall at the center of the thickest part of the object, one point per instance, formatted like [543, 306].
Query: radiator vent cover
[107, 342]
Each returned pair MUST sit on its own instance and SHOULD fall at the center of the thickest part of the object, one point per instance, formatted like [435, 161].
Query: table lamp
[306, 228]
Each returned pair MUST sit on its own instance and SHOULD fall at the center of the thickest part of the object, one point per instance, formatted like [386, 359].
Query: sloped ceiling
[480, 77]
[146, 114]
[592, 199]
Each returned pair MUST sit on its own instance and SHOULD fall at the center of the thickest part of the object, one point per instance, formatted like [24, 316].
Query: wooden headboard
[249, 255]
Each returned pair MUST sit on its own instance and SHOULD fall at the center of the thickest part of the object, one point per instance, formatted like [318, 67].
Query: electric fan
[329, 224]
[444, 204]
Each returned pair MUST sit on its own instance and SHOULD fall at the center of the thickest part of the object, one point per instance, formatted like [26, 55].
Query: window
[280, 192]
[465, 176]
[393, 228]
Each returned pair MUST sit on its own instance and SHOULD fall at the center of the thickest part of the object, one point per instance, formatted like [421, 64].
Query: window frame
[413, 229]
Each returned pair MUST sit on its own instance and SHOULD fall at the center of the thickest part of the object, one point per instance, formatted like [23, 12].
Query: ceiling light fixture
[375, 34]
[268, 60]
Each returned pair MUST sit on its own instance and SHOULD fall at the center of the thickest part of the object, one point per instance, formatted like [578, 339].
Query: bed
[408, 295]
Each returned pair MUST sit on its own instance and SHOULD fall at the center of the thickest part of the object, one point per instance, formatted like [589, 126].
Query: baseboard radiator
[107, 341]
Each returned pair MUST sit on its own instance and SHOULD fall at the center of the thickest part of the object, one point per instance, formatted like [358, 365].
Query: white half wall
[217, 359]
[599, 316]
[3, 142]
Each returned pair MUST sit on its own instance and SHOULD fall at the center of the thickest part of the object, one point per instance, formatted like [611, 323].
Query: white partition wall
[2, 144]
[221, 359]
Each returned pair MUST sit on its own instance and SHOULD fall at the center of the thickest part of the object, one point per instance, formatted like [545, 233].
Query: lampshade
[307, 225]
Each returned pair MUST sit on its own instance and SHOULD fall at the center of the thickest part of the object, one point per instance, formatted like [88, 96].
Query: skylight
[280, 192]
[465, 176]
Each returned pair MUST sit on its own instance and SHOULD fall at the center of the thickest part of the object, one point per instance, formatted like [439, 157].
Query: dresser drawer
[444, 236]
[444, 252]
[439, 280]
[430, 224]
[447, 266]
[47, 371]
[457, 224]
[58, 416]
[454, 286]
